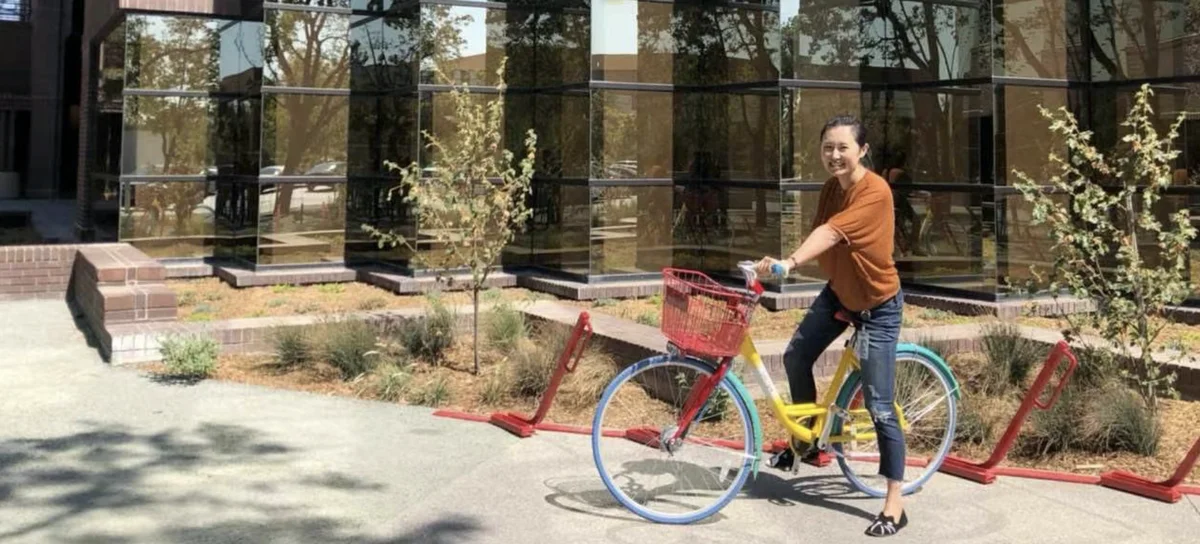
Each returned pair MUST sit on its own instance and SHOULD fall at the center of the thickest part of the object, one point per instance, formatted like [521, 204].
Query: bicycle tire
[848, 392]
[747, 423]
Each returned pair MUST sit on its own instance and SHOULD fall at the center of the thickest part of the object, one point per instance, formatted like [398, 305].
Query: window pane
[727, 136]
[631, 41]
[177, 53]
[630, 233]
[1031, 38]
[561, 121]
[307, 49]
[383, 53]
[376, 204]
[301, 223]
[316, 3]
[632, 134]
[305, 134]
[241, 56]
[558, 228]
[832, 40]
[468, 44]
[1028, 140]
[382, 128]
[438, 118]
[169, 219]
[1020, 242]
[715, 226]
[110, 81]
[940, 238]
[563, 47]
[166, 136]
[933, 136]
[798, 210]
[1111, 106]
[237, 221]
[805, 112]
[236, 142]
[935, 41]
[1139, 39]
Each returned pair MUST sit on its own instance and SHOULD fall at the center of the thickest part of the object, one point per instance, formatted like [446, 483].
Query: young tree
[1099, 233]
[473, 201]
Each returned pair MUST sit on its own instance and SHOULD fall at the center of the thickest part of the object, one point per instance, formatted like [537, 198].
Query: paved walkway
[95, 454]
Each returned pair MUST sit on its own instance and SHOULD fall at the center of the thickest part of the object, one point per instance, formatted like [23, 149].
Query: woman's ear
[865, 151]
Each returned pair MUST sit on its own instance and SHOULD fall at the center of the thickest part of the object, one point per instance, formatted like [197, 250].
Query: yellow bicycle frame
[787, 414]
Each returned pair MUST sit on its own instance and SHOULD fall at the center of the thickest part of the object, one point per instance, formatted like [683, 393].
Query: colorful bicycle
[675, 436]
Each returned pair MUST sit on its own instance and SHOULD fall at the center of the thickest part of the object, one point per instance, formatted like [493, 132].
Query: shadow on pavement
[221, 482]
[822, 491]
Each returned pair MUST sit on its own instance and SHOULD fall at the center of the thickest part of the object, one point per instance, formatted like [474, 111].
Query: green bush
[532, 367]
[973, 427]
[293, 346]
[348, 345]
[1055, 430]
[431, 336]
[391, 381]
[506, 325]
[495, 388]
[373, 303]
[435, 393]
[190, 356]
[1118, 419]
[1098, 368]
[1010, 357]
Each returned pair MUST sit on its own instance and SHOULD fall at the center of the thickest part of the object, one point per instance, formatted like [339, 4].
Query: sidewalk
[91, 453]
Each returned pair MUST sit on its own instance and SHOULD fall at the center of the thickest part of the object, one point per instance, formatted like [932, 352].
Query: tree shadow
[61, 485]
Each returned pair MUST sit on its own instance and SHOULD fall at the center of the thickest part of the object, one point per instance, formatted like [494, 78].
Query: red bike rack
[523, 426]
[987, 471]
[1169, 490]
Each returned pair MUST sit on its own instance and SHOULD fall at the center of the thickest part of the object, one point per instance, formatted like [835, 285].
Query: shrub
[348, 345]
[974, 427]
[434, 393]
[1054, 430]
[1118, 419]
[506, 326]
[373, 303]
[1097, 368]
[648, 318]
[431, 336]
[293, 346]
[190, 356]
[583, 387]
[495, 388]
[391, 381]
[1009, 355]
[532, 367]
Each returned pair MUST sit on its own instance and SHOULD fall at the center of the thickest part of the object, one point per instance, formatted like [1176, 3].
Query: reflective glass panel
[1111, 106]
[798, 209]
[630, 233]
[940, 238]
[381, 205]
[171, 53]
[1031, 38]
[467, 44]
[383, 52]
[237, 136]
[382, 129]
[169, 219]
[632, 134]
[559, 227]
[301, 223]
[727, 136]
[241, 55]
[166, 135]
[1020, 243]
[1027, 139]
[307, 49]
[1137, 39]
[563, 47]
[438, 118]
[805, 112]
[932, 135]
[936, 41]
[716, 226]
[836, 40]
[237, 221]
[305, 134]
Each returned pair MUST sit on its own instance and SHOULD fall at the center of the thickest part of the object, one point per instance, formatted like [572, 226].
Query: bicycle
[707, 326]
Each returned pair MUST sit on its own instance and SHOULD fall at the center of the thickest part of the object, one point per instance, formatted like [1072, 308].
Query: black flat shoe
[886, 526]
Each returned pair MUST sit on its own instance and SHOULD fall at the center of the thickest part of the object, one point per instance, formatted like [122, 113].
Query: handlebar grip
[777, 269]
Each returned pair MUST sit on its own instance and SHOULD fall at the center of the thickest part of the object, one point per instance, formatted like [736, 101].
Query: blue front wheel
[658, 478]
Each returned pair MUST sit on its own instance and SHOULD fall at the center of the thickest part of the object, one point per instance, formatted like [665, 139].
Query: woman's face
[840, 152]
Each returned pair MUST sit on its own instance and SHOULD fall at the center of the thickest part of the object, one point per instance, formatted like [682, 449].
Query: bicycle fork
[698, 399]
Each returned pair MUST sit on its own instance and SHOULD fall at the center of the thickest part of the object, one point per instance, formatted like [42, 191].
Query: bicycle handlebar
[751, 275]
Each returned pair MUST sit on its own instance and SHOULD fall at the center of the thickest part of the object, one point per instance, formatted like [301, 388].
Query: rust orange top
[860, 269]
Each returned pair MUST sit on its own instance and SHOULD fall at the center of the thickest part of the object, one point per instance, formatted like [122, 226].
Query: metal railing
[14, 10]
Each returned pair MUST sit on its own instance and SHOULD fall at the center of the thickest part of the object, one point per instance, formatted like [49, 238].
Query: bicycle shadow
[819, 490]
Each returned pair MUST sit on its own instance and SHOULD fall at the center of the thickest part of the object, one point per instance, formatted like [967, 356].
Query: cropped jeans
[879, 331]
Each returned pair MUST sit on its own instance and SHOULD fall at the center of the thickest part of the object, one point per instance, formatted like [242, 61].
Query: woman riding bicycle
[852, 240]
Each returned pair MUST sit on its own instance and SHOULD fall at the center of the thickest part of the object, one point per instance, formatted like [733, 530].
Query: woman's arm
[821, 239]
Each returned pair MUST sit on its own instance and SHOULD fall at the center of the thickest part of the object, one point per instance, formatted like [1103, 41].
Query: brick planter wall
[35, 272]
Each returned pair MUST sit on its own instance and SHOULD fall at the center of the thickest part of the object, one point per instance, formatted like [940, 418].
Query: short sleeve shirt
[860, 268]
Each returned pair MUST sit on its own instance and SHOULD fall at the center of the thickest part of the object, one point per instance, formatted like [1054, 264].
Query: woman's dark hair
[860, 133]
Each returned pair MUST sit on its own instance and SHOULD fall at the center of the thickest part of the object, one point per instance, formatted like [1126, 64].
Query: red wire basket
[703, 317]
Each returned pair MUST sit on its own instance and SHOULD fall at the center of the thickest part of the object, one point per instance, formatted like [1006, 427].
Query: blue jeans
[879, 331]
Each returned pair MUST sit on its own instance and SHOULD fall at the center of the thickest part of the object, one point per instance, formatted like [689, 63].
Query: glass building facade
[670, 133]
